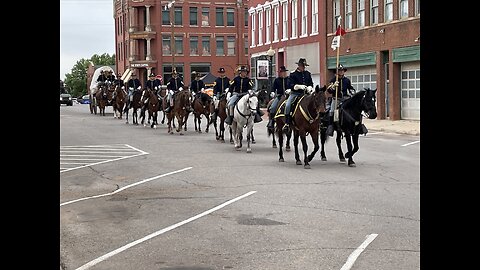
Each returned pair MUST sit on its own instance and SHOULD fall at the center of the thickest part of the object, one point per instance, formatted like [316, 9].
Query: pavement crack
[395, 249]
[192, 183]
[336, 210]
[283, 250]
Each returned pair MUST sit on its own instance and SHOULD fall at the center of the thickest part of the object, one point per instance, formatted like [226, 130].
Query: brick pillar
[380, 86]
[394, 91]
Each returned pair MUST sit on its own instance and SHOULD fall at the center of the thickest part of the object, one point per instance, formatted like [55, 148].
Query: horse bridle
[250, 108]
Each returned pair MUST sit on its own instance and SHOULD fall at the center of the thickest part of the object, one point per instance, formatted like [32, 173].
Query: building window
[178, 16]
[167, 70]
[165, 17]
[193, 45]
[179, 45]
[285, 21]
[260, 28]
[230, 17]
[231, 45]
[245, 38]
[374, 12]
[246, 17]
[314, 16]
[166, 45]
[202, 68]
[253, 29]
[193, 16]
[348, 14]
[336, 12]
[417, 7]
[205, 16]
[276, 22]
[294, 18]
[360, 13]
[220, 46]
[268, 23]
[388, 10]
[205, 46]
[403, 9]
[304, 17]
[219, 17]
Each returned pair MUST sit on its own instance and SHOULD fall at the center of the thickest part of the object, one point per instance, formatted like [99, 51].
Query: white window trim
[385, 11]
[314, 32]
[304, 23]
[260, 27]
[276, 6]
[400, 10]
[252, 14]
[371, 15]
[267, 8]
[284, 15]
[346, 12]
[294, 7]
[334, 15]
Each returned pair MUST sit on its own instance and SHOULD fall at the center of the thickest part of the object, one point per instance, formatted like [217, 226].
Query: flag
[335, 43]
[340, 31]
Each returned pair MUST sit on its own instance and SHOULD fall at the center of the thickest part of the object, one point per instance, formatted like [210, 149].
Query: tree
[77, 78]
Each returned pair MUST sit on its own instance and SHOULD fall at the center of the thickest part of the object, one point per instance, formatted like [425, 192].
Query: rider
[102, 78]
[197, 86]
[174, 85]
[239, 86]
[133, 85]
[110, 77]
[280, 85]
[153, 83]
[301, 80]
[219, 86]
[345, 90]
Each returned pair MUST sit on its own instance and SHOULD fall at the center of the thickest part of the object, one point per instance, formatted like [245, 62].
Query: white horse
[243, 116]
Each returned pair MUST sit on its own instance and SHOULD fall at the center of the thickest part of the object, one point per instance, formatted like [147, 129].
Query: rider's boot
[229, 119]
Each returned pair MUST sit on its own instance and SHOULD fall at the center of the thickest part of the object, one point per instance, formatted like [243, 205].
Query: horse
[153, 105]
[162, 95]
[305, 119]
[243, 116]
[350, 120]
[222, 114]
[104, 96]
[202, 105]
[181, 102]
[119, 100]
[136, 104]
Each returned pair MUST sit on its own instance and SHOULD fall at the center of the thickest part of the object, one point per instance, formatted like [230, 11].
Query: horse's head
[252, 101]
[319, 98]
[109, 93]
[145, 96]
[368, 103]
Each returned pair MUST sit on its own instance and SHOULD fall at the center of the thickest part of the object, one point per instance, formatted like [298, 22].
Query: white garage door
[363, 77]
[410, 91]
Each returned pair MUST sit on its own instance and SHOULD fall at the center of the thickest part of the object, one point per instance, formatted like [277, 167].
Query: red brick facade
[134, 26]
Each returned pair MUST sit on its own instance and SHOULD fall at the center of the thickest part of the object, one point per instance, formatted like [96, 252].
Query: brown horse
[119, 101]
[104, 97]
[305, 119]
[153, 105]
[135, 105]
[162, 93]
[202, 106]
[222, 114]
[180, 104]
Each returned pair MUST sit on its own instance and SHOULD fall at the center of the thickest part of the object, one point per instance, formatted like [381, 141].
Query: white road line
[374, 133]
[99, 152]
[353, 257]
[101, 162]
[86, 158]
[125, 187]
[89, 156]
[410, 143]
[68, 163]
[96, 149]
[162, 231]
[94, 146]
[136, 148]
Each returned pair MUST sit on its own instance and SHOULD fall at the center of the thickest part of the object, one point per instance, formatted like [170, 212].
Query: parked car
[66, 98]
[85, 100]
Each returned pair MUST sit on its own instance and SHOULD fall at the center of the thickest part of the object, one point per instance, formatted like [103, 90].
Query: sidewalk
[399, 126]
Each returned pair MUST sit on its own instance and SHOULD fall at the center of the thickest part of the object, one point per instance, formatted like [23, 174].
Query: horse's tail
[270, 132]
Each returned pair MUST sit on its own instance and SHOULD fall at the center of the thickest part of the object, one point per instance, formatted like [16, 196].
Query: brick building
[207, 35]
[381, 48]
[293, 29]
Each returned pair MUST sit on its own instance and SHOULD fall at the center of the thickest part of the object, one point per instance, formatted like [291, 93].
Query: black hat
[303, 62]
[243, 68]
[283, 68]
[221, 70]
[341, 67]
[197, 74]
[152, 75]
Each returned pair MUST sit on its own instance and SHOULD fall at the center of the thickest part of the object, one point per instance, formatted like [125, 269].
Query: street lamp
[172, 20]
[270, 54]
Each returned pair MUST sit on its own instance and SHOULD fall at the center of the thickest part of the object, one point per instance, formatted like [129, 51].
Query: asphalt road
[296, 219]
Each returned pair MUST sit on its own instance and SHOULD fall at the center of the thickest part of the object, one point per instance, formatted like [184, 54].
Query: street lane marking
[159, 232]
[374, 133]
[353, 257]
[97, 154]
[410, 143]
[125, 187]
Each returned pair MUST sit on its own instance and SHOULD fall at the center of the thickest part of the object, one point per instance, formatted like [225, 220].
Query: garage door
[410, 89]
[363, 77]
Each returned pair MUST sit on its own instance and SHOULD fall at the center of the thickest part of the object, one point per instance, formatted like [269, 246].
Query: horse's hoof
[126, 123]
[217, 138]
[254, 142]
[287, 148]
[352, 164]
[274, 146]
[298, 162]
[324, 159]
[249, 150]
[237, 148]
[307, 166]
[281, 160]
[223, 141]
[231, 142]
[206, 130]
[171, 132]
[155, 126]
[181, 133]
[342, 160]
[199, 131]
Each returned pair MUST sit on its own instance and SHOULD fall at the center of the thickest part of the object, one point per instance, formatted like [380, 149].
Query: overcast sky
[86, 28]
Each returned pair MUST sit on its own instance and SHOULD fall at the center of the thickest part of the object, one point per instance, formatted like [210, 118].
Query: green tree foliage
[76, 80]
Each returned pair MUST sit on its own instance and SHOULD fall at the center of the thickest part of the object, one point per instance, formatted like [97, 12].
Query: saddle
[281, 108]
[239, 97]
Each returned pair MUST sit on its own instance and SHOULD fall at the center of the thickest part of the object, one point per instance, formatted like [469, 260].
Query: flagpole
[338, 60]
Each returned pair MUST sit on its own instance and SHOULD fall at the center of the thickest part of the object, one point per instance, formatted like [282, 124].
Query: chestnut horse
[201, 106]
[119, 100]
[153, 105]
[104, 97]
[180, 104]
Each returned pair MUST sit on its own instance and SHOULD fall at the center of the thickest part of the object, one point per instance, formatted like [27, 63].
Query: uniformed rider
[174, 85]
[280, 85]
[221, 83]
[133, 85]
[197, 85]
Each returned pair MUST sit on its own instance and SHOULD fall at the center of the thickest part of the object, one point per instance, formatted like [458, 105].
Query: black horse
[350, 123]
